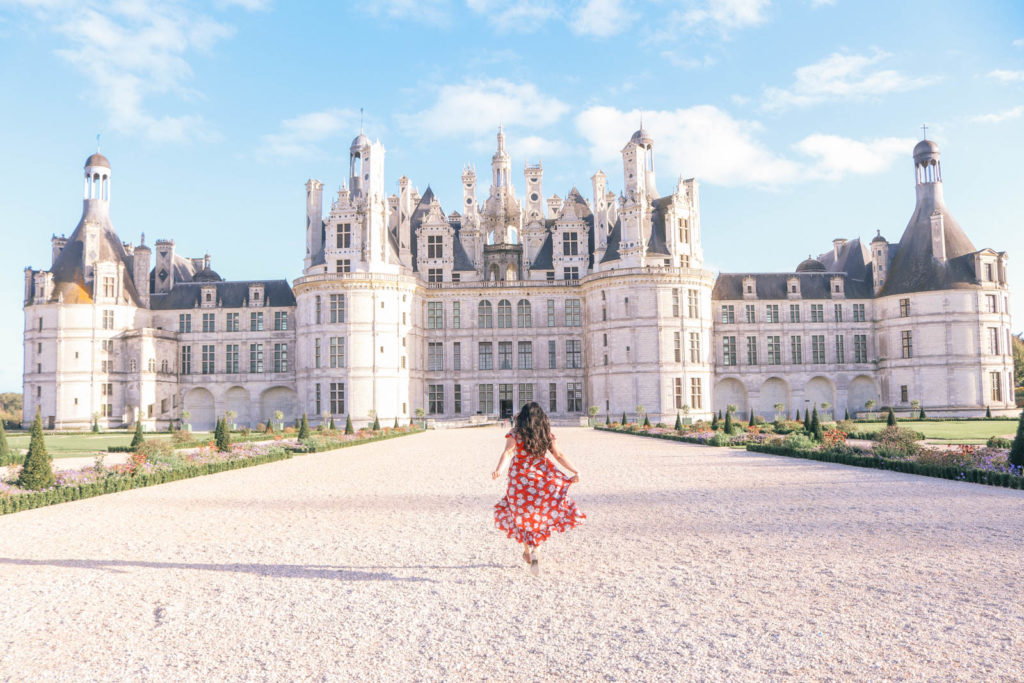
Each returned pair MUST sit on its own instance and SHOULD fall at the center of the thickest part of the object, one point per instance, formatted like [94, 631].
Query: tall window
[817, 348]
[858, 313]
[573, 353]
[684, 230]
[505, 355]
[860, 348]
[207, 359]
[574, 397]
[794, 313]
[186, 360]
[840, 349]
[551, 313]
[570, 244]
[692, 303]
[457, 399]
[571, 273]
[336, 352]
[552, 398]
[435, 356]
[317, 397]
[695, 347]
[280, 358]
[839, 313]
[435, 315]
[990, 303]
[696, 395]
[751, 350]
[904, 393]
[525, 394]
[337, 398]
[108, 320]
[751, 315]
[675, 303]
[318, 310]
[729, 350]
[184, 322]
[456, 314]
[993, 341]
[796, 349]
[280, 320]
[231, 358]
[255, 357]
[208, 324]
[435, 246]
[677, 392]
[996, 380]
[552, 360]
[435, 399]
[525, 355]
[573, 317]
[256, 322]
[344, 236]
[817, 313]
[504, 313]
[316, 352]
[484, 315]
[232, 322]
[771, 313]
[907, 344]
[677, 346]
[435, 274]
[904, 308]
[108, 287]
[456, 356]
[728, 313]
[524, 314]
[486, 398]
[485, 357]
[336, 308]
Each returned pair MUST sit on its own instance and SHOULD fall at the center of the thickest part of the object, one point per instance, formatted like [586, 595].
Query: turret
[469, 207]
[314, 220]
[600, 184]
[163, 281]
[57, 245]
[534, 175]
[879, 259]
[501, 165]
[140, 270]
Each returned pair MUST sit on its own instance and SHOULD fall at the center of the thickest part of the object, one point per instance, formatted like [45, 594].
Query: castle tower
[601, 226]
[314, 221]
[95, 209]
[501, 165]
[635, 210]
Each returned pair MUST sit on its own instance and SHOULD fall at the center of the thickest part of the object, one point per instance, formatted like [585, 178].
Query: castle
[402, 310]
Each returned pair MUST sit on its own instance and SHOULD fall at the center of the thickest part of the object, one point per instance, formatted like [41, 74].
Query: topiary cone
[348, 424]
[1017, 449]
[890, 419]
[623, 419]
[816, 431]
[304, 428]
[679, 422]
[728, 422]
[37, 472]
[376, 424]
[137, 439]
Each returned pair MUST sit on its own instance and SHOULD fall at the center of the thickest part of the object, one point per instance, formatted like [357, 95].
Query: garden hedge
[312, 447]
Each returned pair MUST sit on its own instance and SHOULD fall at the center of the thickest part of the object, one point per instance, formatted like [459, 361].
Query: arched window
[524, 314]
[164, 366]
[483, 315]
[151, 365]
[510, 273]
[495, 273]
[504, 313]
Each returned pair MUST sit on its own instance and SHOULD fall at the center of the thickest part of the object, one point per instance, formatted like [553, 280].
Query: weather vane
[924, 132]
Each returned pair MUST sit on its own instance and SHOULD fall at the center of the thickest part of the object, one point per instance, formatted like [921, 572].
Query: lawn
[954, 431]
[78, 445]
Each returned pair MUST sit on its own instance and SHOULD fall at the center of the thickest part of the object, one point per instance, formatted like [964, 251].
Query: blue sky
[797, 117]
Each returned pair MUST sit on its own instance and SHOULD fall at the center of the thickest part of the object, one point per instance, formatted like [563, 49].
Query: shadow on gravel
[288, 571]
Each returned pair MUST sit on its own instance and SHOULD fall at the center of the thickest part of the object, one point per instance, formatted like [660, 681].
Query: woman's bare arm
[560, 458]
[510, 447]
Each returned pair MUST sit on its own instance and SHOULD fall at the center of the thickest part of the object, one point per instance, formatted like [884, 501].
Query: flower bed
[328, 441]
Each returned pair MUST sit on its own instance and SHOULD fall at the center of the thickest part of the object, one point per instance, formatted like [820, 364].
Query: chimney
[140, 271]
[58, 244]
[837, 244]
[938, 236]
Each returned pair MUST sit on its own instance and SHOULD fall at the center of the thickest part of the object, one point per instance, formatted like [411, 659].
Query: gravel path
[380, 562]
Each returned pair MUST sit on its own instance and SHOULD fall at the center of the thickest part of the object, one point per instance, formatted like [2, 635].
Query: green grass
[85, 444]
[953, 431]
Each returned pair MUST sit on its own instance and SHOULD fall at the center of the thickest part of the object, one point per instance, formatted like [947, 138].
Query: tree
[797, 418]
[231, 415]
[420, 413]
[824, 408]
[915, 406]
[623, 423]
[6, 454]
[779, 407]
[922, 415]
[816, 431]
[348, 424]
[137, 439]
[95, 423]
[331, 425]
[396, 422]
[1017, 449]
[807, 419]
[750, 412]
[728, 421]
[847, 416]
[37, 472]
[269, 429]
[279, 416]
[607, 420]
[890, 419]
[679, 423]
[304, 428]
[647, 420]
[376, 423]
[869, 405]
[185, 417]
[222, 436]
[714, 421]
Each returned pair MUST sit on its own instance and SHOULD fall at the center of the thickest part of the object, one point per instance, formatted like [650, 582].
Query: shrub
[807, 420]
[607, 419]
[304, 427]
[679, 423]
[396, 422]
[846, 426]
[714, 422]
[720, 438]
[897, 443]
[728, 422]
[6, 454]
[787, 426]
[159, 451]
[1017, 449]
[37, 472]
[222, 437]
[331, 425]
[816, 431]
[647, 420]
[268, 427]
[376, 423]
[624, 422]
[179, 436]
[798, 441]
[137, 438]
[998, 442]
[890, 419]
[846, 417]
[921, 415]
[348, 424]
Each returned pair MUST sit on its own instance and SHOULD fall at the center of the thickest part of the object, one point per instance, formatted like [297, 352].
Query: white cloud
[709, 144]
[1006, 76]
[476, 107]
[430, 12]
[601, 18]
[516, 15]
[251, 5]
[999, 117]
[689, 63]
[841, 77]
[534, 148]
[1019, 42]
[727, 14]
[302, 136]
[822, 3]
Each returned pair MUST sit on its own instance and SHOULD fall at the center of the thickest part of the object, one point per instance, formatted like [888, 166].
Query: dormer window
[793, 287]
[749, 288]
[988, 272]
[257, 295]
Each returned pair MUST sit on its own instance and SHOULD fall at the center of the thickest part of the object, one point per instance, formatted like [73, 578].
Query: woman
[536, 502]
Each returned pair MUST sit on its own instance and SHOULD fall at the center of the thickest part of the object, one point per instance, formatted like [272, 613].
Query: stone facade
[403, 308]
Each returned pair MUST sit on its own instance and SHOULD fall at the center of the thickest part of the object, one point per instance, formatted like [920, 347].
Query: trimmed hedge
[28, 501]
[953, 472]
[667, 437]
[312, 447]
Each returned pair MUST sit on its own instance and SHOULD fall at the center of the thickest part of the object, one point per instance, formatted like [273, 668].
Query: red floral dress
[536, 502]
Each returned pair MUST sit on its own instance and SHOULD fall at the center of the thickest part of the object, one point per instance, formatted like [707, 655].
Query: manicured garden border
[976, 476]
[302, 450]
[667, 437]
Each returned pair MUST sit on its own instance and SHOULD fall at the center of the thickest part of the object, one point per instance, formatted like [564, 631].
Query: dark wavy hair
[534, 428]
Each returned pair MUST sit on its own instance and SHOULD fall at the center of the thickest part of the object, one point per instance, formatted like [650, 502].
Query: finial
[924, 132]
[97, 143]
[360, 120]
[641, 119]
[142, 240]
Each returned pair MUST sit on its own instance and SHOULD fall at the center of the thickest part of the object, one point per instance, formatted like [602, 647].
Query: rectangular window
[572, 313]
[435, 356]
[435, 315]
[571, 273]
[677, 392]
[729, 350]
[771, 313]
[231, 358]
[840, 349]
[435, 399]
[696, 395]
[485, 360]
[796, 349]
[318, 310]
[860, 348]
[344, 235]
[336, 352]
[574, 397]
[817, 348]
[692, 303]
[316, 401]
[996, 379]
[207, 359]
[573, 354]
[337, 396]
[993, 341]
[904, 308]
[817, 313]
[751, 315]
[505, 355]
[108, 287]
[907, 344]
[504, 314]
[551, 313]
[525, 394]
[457, 399]
[695, 347]
[991, 304]
[435, 274]
[675, 303]
[552, 398]
[838, 312]
[751, 350]
[256, 322]
[435, 246]
[486, 402]
[456, 314]
[794, 313]
[858, 313]
[524, 314]
[184, 322]
[728, 313]
[570, 244]
[108, 320]
[552, 360]
[316, 352]
[904, 393]
[280, 358]
[232, 322]
[677, 345]
[988, 272]
[280, 320]
[255, 357]
[343, 265]
[456, 356]
[186, 360]
[208, 324]
[525, 355]
[336, 308]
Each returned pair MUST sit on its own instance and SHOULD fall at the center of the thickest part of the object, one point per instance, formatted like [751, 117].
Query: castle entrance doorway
[505, 400]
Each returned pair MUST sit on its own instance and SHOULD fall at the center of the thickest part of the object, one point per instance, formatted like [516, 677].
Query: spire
[501, 139]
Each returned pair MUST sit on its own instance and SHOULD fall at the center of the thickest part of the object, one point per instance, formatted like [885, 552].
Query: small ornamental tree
[396, 422]
[816, 431]
[728, 422]
[890, 419]
[847, 416]
[270, 427]
[376, 423]
[6, 454]
[797, 418]
[647, 420]
[988, 411]
[750, 412]
[137, 439]
[607, 420]
[1017, 449]
[922, 415]
[807, 419]
[714, 421]
[95, 423]
[623, 423]
[279, 416]
[304, 428]
[869, 405]
[223, 436]
[679, 423]
[348, 424]
[779, 407]
[37, 472]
